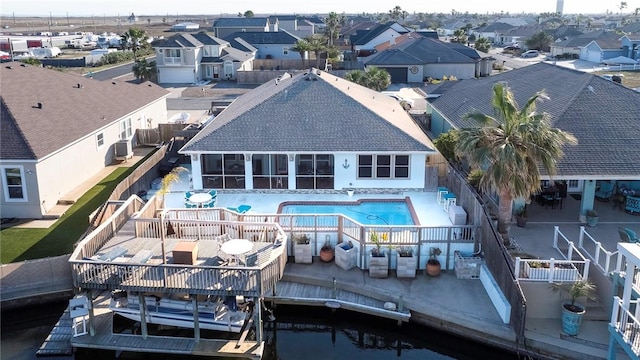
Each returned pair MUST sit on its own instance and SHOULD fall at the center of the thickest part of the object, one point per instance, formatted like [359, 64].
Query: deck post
[259, 322]
[92, 318]
[143, 316]
[196, 318]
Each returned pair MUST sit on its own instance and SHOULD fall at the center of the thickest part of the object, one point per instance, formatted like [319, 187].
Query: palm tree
[168, 180]
[482, 44]
[317, 44]
[374, 78]
[333, 23]
[144, 70]
[459, 36]
[133, 40]
[510, 147]
[301, 47]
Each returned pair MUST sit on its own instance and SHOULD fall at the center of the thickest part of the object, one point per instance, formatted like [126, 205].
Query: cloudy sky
[60, 8]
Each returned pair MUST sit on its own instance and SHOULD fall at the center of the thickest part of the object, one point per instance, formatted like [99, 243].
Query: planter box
[379, 266]
[466, 267]
[406, 266]
[302, 253]
[346, 259]
[558, 273]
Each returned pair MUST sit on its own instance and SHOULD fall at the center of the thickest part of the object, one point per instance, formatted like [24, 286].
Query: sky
[60, 8]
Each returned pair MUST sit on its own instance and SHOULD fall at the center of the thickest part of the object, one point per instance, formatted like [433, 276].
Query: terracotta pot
[327, 255]
[433, 267]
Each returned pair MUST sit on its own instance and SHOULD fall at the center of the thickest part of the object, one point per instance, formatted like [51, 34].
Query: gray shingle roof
[422, 51]
[603, 115]
[68, 113]
[239, 22]
[497, 27]
[178, 41]
[585, 39]
[311, 113]
[207, 38]
[261, 37]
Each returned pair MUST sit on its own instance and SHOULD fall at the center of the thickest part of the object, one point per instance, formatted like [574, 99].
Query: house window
[285, 50]
[100, 140]
[14, 184]
[172, 53]
[125, 129]
[383, 166]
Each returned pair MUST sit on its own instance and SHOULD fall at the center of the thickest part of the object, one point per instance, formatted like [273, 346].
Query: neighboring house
[604, 116]
[602, 49]
[364, 42]
[189, 58]
[450, 27]
[58, 130]
[519, 35]
[631, 43]
[285, 22]
[352, 29]
[575, 45]
[297, 25]
[225, 26]
[312, 130]
[417, 58]
[269, 45]
[492, 31]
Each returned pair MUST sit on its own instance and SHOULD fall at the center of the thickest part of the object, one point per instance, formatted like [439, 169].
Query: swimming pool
[364, 211]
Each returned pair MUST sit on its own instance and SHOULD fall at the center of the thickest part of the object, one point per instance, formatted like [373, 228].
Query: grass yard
[18, 244]
[631, 79]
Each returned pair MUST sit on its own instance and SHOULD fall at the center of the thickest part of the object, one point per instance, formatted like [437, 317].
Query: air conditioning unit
[124, 149]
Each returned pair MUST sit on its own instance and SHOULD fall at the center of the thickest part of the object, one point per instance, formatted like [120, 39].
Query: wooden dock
[58, 343]
[290, 293]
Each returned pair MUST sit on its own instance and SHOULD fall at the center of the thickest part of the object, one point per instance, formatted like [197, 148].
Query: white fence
[621, 67]
[601, 258]
[551, 270]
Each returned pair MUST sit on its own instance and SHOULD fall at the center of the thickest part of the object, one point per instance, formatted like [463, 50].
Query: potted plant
[302, 249]
[573, 312]
[433, 264]
[592, 217]
[326, 252]
[378, 259]
[406, 262]
[521, 216]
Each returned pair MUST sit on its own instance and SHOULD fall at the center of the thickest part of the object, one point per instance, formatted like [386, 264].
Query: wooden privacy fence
[497, 257]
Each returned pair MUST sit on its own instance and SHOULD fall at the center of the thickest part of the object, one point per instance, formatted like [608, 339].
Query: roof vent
[79, 86]
[8, 67]
[113, 82]
[39, 105]
[23, 65]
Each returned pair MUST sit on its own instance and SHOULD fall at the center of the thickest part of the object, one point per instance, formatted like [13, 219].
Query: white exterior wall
[417, 77]
[61, 172]
[276, 51]
[347, 178]
[387, 35]
[460, 71]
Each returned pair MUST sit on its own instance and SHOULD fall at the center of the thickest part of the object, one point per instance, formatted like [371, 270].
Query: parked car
[511, 48]
[407, 104]
[530, 54]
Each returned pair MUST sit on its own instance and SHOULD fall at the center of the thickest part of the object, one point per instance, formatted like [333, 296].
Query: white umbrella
[619, 60]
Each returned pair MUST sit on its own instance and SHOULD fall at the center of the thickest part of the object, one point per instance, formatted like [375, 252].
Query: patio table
[200, 198]
[237, 247]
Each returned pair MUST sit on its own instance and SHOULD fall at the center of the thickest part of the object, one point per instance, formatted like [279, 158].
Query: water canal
[298, 332]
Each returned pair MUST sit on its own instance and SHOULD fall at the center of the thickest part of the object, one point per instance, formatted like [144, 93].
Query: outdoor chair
[605, 192]
[627, 235]
[188, 194]
[240, 209]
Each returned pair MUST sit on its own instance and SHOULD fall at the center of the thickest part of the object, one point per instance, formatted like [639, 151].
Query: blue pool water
[364, 212]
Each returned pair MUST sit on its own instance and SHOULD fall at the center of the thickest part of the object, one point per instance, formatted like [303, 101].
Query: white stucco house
[58, 130]
[310, 130]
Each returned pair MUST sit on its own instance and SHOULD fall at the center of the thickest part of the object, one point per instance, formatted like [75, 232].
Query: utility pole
[14, 18]
[68, 19]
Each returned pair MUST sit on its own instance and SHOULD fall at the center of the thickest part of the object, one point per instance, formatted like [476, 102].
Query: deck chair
[240, 209]
[627, 235]
[606, 191]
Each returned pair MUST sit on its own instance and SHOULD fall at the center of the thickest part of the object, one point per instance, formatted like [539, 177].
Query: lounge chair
[627, 235]
[605, 192]
[240, 209]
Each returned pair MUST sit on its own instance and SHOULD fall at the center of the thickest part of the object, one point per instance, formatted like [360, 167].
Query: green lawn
[18, 244]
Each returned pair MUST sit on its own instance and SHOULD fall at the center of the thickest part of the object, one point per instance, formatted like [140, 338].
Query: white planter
[406, 266]
[302, 253]
[350, 192]
[559, 274]
[379, 266]
[346, 259]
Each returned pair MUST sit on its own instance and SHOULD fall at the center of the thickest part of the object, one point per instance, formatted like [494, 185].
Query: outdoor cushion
[632, 234]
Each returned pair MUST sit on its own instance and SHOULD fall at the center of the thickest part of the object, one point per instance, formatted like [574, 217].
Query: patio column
[292, 171]
[248, 172]
[588, 196]
[196, 171]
